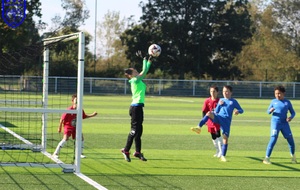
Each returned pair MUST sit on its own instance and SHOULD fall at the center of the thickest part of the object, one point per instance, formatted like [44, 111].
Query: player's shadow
[275, 164]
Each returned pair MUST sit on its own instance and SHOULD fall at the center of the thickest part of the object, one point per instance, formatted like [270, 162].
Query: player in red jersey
[68, 120]
[213, 128]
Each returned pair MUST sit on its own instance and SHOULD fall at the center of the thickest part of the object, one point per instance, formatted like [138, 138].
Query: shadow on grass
[121, 179]
[8, 124]
[39, 178]
[276, 164]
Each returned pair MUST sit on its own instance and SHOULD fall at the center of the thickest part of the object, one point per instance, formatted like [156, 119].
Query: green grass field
[177, 157]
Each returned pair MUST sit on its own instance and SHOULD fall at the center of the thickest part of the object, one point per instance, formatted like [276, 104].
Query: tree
[231, 24]
[267, 55]
[64, 55]
[109, 30]
[64, 58]
[20, 49]
[286, 13]
[75, 15]
[112, 59]
[195, 36]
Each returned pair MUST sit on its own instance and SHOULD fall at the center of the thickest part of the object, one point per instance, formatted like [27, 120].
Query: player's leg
[291, 143]
[224, 147]
[131, 135]
[82, 147]
[61, 144]
[272, 142]
[225, 134]
[219, 141]
[287, 133]
[215, 143]
[139, 131]
[209, 115]
[139, 118]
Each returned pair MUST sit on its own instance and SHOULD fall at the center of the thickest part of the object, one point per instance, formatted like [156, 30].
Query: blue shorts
[224, 124]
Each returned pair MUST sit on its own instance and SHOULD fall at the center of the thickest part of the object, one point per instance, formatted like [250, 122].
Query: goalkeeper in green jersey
[138, 90]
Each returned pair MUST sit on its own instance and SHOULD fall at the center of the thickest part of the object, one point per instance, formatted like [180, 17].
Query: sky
[50, 8]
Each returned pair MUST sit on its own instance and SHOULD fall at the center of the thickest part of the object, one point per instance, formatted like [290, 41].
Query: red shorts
[70, 131]
[212, 127]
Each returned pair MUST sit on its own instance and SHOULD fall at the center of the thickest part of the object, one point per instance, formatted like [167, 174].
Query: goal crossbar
[63, 38]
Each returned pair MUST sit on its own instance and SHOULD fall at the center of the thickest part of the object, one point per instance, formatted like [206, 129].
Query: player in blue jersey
[223, 116]
[279, 108]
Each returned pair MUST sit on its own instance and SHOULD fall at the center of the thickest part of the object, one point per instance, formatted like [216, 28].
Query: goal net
[31, 107]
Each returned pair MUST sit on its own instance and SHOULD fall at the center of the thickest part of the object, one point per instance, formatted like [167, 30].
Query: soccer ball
[154, 50]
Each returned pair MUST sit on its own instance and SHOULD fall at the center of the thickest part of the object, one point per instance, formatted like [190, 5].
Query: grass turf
[177, 157]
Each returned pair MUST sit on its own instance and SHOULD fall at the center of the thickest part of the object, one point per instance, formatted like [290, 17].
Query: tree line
[207, 39]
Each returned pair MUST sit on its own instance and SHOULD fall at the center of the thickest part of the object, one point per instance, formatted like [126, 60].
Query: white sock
[215, 144]
[59, 146]
[219, 144]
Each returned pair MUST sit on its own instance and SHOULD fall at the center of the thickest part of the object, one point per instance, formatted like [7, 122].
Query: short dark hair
[228, 87]
[128, 71]
[280, 88]
[214, 87]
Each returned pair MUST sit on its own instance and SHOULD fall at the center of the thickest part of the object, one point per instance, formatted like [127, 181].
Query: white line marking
[90, 181]
[59, 162]
[179, 100]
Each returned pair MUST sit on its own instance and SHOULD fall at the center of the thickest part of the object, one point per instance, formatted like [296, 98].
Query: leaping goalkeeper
[138, 90]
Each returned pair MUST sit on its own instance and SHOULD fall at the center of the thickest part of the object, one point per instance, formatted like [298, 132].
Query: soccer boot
[223, 159]
[140, 156]
[126, 155]
[294, 160]
[217, 153]
[267, 161]
[196, 129]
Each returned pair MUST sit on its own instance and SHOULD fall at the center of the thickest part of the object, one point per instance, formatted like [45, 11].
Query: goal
[30, 114]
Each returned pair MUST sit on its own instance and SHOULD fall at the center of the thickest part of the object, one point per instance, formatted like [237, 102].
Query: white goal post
[17, 109]
[80, 83]
[27, 118]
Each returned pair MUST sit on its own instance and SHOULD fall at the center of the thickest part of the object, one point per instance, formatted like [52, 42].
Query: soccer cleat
[294, 161]
[82, 156]
[196, 129]
[218, 154]
[223, 159]
[140, 156]
[126, 155]
[267, 160]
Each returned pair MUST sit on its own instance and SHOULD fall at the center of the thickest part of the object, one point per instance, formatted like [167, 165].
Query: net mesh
[22, 110]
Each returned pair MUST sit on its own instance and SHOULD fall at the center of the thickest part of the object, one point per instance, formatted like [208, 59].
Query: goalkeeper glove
[139, 54]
